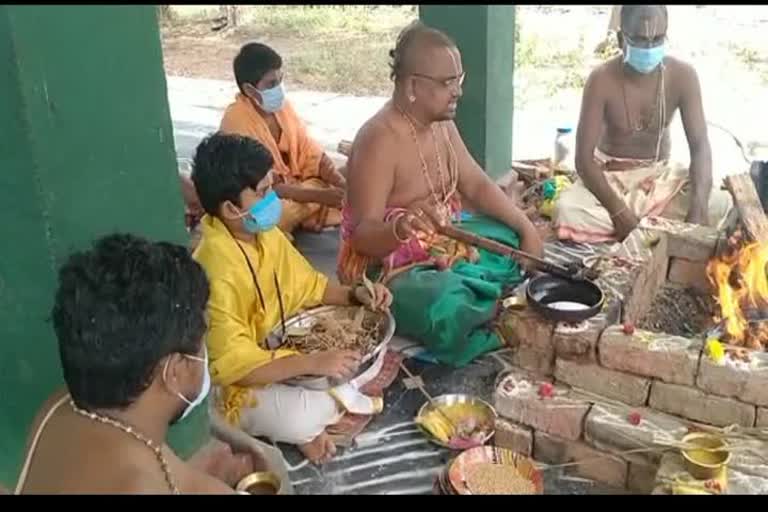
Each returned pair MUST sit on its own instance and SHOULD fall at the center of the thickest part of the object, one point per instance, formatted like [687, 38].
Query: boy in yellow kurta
[258, 280]
[306, 179]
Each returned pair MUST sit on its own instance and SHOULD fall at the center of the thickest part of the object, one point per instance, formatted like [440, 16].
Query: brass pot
[259, 482]
[705, 464]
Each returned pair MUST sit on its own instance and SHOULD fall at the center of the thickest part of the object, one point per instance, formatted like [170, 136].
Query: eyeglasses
[646, 42]
[454, 81]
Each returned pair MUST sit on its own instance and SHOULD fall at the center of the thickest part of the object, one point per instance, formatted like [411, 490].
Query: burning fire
[741, 284]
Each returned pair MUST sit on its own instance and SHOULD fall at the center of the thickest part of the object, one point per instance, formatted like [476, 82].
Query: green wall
[485, 35]
[87, 149]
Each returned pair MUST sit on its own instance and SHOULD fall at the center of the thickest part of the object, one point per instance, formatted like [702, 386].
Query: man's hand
[217, 460]
[533, 245]
[421, 217]
[332, 196]
[624, 223]
[329, 174]
[380, 301]
[336, 364]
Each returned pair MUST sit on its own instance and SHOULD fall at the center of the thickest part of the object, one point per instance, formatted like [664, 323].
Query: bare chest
[425, 167]
[635, 109]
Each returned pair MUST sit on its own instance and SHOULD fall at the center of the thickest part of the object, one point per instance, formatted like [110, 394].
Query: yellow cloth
[237, 323]
[298, 159]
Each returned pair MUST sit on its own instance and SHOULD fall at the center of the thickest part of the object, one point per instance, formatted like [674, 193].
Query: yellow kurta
[238, 325]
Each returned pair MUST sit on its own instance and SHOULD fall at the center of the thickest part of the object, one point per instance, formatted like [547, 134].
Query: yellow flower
[715, 351]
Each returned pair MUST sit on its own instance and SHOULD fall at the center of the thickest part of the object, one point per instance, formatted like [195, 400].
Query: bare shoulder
[374, 145]
[680, 70]
[377, 132]
[607, 73]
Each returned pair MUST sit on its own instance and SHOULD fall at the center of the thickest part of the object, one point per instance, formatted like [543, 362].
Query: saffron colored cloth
[298, 159]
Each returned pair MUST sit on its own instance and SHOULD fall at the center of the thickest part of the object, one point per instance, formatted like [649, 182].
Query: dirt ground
[343, 50]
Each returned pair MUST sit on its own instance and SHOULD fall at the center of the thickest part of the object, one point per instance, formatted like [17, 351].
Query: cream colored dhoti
[660, 189]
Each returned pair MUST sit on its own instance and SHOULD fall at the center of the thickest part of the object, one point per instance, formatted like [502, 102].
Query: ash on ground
[680, 312]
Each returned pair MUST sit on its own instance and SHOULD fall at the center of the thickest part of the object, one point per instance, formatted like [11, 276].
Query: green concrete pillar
[86, 149]
[485, 35]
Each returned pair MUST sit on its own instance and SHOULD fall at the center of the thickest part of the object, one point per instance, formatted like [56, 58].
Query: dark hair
[416, 30]
[253, 61]
[225, 165]
[631, 11]
[120, 308]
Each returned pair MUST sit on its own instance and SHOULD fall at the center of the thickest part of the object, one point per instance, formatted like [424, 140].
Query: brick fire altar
[597, 390]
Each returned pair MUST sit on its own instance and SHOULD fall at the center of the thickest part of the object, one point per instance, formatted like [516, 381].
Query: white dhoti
[289, 414]
[660, 189]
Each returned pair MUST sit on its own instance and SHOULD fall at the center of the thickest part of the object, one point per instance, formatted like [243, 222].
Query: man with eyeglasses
[307, 181]
[407, 168]
[623, 144]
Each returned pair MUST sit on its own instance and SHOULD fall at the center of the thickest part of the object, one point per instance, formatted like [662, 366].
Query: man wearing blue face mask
[623, 144]
[258, 281]
[306, 179]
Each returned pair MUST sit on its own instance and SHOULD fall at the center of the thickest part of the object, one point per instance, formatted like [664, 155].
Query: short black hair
[413, 32]
[253, 61]
[225, 165]
[120, 308]
[629, 12]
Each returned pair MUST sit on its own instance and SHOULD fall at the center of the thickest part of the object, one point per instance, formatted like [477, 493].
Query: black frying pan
[545, 291]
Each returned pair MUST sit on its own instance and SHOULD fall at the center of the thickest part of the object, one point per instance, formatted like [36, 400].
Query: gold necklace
[136, 435]
[447, 190]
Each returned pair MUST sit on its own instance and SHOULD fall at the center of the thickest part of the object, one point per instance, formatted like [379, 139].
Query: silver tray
[307, 319]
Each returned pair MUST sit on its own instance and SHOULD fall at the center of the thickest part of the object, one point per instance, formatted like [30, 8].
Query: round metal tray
[308, 318]
[448, 400]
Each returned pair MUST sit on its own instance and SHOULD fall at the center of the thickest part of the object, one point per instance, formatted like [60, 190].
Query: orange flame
[741, 283]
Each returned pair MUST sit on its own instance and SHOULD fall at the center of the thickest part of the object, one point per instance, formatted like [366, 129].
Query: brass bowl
[705, 464]
[260, 482]
[486, 413]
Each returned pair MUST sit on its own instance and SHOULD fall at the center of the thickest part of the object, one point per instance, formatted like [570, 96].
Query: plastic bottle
[564, 152]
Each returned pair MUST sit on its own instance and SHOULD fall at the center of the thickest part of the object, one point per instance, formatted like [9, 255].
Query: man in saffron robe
[306, 179]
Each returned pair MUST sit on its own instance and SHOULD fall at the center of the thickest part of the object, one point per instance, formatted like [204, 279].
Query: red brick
[532, 335]
[513, 437]
[579, 342]
[641, 478]
[610, 384]
[652, 276]
[517, 399]
[608, 428]
[699, 406]
[746, 381]
[598, 466]
[673, 359]
[690, 241]
[762, 417]
[690, 273]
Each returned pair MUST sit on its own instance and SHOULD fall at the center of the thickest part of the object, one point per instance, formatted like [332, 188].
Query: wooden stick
[498, 248]
[428, 397]
[748, 204]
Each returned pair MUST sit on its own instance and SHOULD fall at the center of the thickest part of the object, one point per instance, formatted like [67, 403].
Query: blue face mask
[643, 60]
[272, 99]
[264, 214]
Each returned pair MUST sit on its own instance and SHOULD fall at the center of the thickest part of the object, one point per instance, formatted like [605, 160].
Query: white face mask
[205, 385]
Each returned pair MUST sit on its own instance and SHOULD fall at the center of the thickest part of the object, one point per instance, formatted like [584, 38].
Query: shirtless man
[129, 316]
[406, 169]
[628, 105]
